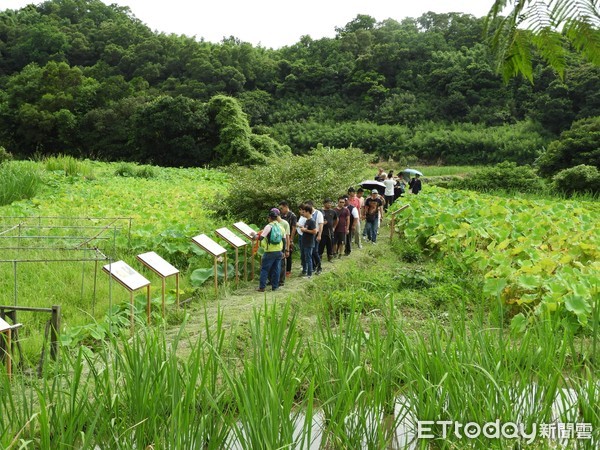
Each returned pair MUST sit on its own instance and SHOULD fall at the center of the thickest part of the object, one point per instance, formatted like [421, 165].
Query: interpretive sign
[231, 238]
[244, 229]
[208, 245]
[126, 275]
[131, 280]
[154, 262]
[164, 270]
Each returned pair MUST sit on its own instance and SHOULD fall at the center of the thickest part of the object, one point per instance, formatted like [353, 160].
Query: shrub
[131, 170]
[505, 176]
[579, 145]
[325, 172]
[579, 179]
[4, 155]
[71, 166]
[18, 180]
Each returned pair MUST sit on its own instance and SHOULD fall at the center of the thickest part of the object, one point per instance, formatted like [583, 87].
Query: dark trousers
[348, 247]
[316, 258]
[326, 241]
[389, 199]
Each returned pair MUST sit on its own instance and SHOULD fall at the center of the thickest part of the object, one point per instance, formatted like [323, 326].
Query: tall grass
[354, 384]
[18, 180]
[69, 165]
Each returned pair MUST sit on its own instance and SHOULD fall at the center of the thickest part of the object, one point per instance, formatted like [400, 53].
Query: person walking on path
[289, 217]
[271, 239]
[342, 227]
[330, 221]
[372, 212]
[354, 220]
[415, 184]
[309, 232]
[389, 183]
[319, 220]
[285, 226]
[357, 203]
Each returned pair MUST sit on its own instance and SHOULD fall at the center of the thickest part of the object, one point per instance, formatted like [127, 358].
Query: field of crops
[543, 255]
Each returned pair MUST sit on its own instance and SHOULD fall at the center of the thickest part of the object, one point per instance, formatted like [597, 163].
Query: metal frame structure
[60, 239]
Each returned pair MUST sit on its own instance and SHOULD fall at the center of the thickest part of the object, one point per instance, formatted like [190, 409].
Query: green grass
[18, 180]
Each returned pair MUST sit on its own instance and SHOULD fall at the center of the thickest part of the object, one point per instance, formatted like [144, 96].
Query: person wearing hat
[270, 265]
[372, 212]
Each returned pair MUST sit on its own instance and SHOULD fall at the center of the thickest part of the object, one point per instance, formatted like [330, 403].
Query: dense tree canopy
[82, 77]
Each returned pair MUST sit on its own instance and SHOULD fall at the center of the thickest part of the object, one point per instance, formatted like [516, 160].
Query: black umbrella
[372, 184]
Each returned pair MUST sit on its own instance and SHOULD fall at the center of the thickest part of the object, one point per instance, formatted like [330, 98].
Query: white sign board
[244, 229]
[156, 263]
[208, 245]
[4, 325]
[125, 275]
[231, 238]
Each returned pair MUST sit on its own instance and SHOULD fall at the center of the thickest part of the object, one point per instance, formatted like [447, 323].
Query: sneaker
[260, 289]
[318, 272]
[281, 284]
[275, 289]
[330, 258]
[309, 277]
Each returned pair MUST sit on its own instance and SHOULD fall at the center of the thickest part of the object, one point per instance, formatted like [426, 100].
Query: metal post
[54, 332]
[216, 281]
[177, 288]
[148, 306]
[8, 354]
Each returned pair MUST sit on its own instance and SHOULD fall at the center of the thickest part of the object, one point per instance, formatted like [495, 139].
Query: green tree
[576, 146]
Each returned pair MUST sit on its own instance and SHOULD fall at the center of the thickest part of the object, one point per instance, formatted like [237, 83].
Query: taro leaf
[493, 287]
[579, 306]
[518, 324]
[199, 276]
[529, 282]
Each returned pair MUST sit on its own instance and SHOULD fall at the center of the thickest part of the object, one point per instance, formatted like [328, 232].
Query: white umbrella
[412, 172]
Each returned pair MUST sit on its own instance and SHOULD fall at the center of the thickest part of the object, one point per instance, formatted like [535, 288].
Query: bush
[4, 155]
[579, 179]
[132, 170]
[18, 180]
[579, 145]
[325, 172]
[71, 166]
[506, 176]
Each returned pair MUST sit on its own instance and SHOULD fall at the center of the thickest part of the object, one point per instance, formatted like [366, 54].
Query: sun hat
[374, 191]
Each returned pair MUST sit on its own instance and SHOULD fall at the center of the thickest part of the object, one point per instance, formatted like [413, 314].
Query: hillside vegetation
[88, 79]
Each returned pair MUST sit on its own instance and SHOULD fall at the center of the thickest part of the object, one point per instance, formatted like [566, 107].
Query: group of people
[395, 186]
[330, 231]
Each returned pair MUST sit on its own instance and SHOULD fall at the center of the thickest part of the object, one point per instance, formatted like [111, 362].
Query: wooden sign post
[6, 329]
[164, 270]
[249, 233]
[210, 246]
[236, 242]
[130, 280]
[393, 221]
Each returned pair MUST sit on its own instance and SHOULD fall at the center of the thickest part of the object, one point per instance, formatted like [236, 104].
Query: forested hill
[81, 77]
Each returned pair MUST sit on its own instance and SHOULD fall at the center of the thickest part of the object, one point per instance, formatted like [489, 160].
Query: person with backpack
[285, 226]
[271, 240]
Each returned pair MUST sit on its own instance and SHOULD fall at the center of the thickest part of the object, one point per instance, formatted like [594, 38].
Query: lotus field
[543, 255]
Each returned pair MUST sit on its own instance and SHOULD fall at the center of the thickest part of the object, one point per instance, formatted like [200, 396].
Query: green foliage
[539, 256]
[577, 21]
[18, 180]
[4, 155]
[71, 166]
[505, 176]
[254, 191]
[125, 169]
[234, 133]
[344, 303]
[579, 145]
[579, 179]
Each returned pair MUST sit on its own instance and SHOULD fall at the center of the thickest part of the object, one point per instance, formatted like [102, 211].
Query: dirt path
[238, 305]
